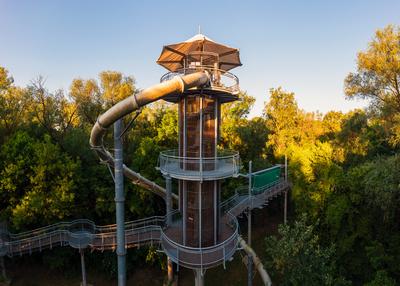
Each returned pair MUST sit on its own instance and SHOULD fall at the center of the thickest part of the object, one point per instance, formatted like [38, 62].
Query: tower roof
[172, 56]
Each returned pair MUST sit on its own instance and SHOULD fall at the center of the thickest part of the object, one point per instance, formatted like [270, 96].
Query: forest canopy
[344, 167]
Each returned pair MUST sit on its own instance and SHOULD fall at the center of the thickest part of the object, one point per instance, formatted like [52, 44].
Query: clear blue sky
[307, 47]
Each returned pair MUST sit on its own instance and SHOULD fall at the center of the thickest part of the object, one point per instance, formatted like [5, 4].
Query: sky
[306, 47]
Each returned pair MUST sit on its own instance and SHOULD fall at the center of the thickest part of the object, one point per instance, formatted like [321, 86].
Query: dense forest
[344, 167]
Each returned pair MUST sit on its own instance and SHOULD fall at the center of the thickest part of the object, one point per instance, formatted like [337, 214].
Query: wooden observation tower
[200, 234]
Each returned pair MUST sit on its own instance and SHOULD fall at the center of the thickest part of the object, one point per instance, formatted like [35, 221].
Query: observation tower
[201, 231]
[200, 234]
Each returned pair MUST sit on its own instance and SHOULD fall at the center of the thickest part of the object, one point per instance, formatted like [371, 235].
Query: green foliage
[167, 130]
[282, 116]
[5, 79]
[378, 79]
[297, 258]
[378, 70]
[63, 259]
[360, 218]
[287, 124]
[313, 170]
[245, 135]
[115, 86]
[38, 180]
[382, 279]
[343, 167]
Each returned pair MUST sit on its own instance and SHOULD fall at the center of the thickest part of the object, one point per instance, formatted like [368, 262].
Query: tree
[234, 115]
[378, 70]
[5, 79]
[37, 181]
[87, 97]
[360, 217]
[241, 134]
[53, 111]
[252, 135]
[381, 278]
[282, 115]
[115, 86]
[378, 78]
[314, 172]
[297, 258]
[15, 105]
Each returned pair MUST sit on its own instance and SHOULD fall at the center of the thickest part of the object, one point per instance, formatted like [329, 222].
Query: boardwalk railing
[84, 233]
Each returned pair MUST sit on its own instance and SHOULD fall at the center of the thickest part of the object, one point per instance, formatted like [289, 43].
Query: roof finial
[199, 29]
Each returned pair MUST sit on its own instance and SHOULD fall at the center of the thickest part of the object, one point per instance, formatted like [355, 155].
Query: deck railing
[219, 79]
[152, 230]
[204, 257]
[225, 164]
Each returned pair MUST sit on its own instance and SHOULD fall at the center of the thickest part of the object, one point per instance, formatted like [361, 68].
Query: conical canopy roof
[172, 56]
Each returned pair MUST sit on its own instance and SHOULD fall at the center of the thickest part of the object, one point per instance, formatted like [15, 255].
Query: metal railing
[84, 233]
[259, 197]
[219, 79]
[203, 257]
[225, 164]
[80, 233]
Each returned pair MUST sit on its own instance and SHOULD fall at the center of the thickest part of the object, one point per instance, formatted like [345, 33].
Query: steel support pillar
[199, 279]
[285, 203]
[168, 210]
[286, 169]
[249, 270]
[249, 258]
[285, 209]
[120, 202]
[3, 268]
[82, 252]
[168, 199]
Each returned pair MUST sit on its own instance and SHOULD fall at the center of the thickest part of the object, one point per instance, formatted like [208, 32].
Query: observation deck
[80, 233]
[223, 83]
[201, 257]
[225, 164]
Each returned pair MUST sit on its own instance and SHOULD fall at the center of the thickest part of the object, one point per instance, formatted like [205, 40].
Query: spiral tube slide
[177, 85]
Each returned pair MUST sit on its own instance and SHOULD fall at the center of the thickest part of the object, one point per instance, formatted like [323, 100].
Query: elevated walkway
[83, 233]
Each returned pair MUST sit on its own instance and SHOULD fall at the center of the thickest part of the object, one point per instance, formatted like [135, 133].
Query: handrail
[197, 249]
[226, 163]
[216, 77]
[268, 169]
[229, 154]
[133, 228]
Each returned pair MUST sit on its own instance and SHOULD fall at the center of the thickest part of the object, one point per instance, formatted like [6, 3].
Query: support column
[285, 209]
[199, 279]
[168, 199]
[249, 270]
[82, 252]
[285, 203]
[3, 268]
[168, 210]
[120, 202]
[286, 169]
[249, 258]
